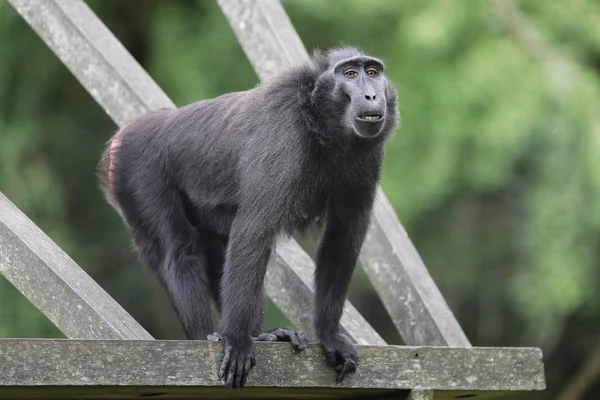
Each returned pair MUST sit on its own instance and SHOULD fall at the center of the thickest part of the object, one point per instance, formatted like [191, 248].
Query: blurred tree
[493, 172]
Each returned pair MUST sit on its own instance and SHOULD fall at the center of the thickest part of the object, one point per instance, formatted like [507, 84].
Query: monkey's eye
[372, 72]
[350, 74]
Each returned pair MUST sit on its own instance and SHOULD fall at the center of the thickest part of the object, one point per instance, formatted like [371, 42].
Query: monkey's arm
[250, 244]
[336, 258]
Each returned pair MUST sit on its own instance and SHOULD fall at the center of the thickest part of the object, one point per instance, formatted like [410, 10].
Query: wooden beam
[389, 258]
[57, 286]
[189, 368]
[124, 90]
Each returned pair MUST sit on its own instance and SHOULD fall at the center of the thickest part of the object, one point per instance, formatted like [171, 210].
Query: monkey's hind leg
[174, 250]
[184, 277]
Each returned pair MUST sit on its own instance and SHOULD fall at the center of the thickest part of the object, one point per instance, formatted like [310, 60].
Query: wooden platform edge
[158, 363]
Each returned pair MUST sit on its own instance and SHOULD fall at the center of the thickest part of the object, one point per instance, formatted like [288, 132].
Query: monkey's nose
[370, 97]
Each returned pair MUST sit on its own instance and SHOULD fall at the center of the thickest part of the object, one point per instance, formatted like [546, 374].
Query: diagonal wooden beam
[124, 90]
[57, 286]
[389, 258]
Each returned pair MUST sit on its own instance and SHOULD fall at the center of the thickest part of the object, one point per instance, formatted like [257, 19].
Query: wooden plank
[122, 87]
[166, 368]
[40, 270]
[390, 260]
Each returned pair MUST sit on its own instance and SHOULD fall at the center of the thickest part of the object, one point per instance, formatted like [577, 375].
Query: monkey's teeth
[371, 117]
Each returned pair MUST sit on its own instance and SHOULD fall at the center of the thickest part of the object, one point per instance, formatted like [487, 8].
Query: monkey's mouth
[370, 117]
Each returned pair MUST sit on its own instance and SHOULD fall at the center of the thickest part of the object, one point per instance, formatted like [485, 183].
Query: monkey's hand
[297, 339]
[340, 353]
[238, 361]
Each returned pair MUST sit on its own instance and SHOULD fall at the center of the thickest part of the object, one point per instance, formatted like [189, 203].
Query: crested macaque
[205, 191]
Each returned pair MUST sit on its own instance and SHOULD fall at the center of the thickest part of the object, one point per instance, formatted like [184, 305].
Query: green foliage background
[494, 171]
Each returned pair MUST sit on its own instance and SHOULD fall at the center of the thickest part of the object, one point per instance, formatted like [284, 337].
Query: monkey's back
[194, 149]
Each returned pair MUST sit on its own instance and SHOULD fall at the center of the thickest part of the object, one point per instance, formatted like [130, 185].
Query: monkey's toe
[296, 338]
[214, 337]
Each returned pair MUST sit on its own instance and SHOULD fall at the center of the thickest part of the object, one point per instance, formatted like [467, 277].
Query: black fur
[206, 190]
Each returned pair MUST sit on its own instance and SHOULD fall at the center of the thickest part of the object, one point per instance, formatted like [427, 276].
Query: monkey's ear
[324, 86]
[391, 93]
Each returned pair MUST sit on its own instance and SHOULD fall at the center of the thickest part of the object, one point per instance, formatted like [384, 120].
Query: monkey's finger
[331, 359]
[247, 367]
[302, 340]
[231, 374]
[348, 367]
[214, 337]
[239, 374]
[225, 364]
[294, 341]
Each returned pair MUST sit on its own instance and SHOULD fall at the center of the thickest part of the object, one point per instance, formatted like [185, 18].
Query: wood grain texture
[389, 258]
[56, 285]
[124, 89]
[160, 366]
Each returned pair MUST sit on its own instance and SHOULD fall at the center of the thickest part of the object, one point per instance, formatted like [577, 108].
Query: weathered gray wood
[390, 260]
[159, 366]
[125, 90]
[95, 56]
[40, 270]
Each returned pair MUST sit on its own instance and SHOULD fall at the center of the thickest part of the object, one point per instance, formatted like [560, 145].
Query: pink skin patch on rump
[112, 156]
[112, 161]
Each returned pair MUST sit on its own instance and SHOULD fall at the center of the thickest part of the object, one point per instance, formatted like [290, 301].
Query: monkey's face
[362, 80]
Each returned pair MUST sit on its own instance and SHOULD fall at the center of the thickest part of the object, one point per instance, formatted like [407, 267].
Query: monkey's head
[353, 95]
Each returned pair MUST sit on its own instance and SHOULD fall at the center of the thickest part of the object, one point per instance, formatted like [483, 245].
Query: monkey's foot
[296, 338]
[340, 354]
